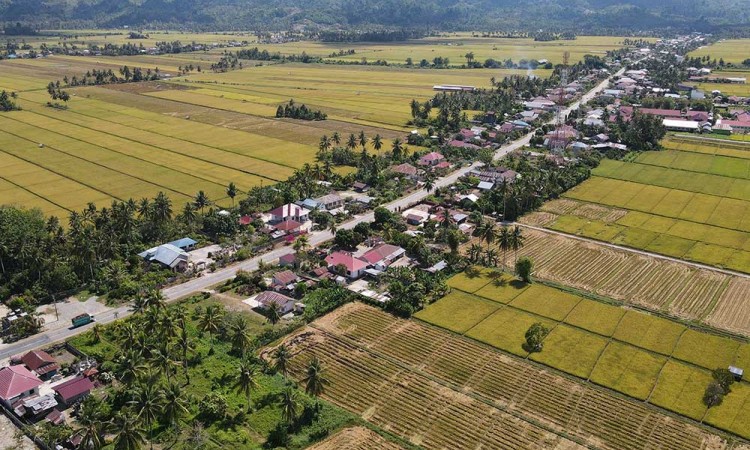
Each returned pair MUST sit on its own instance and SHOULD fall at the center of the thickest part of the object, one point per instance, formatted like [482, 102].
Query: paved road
[207, 280]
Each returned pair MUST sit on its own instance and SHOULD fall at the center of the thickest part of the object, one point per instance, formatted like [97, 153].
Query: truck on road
[82, 319]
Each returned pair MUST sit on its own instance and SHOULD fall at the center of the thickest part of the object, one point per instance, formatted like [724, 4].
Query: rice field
[637, 354]
[439, 390]
[731, 50]
[688, 201]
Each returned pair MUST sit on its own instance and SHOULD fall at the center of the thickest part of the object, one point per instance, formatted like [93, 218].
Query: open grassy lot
[621, 349]
[382, 359]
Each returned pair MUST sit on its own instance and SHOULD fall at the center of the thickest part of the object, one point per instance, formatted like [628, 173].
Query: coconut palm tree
[336, 138]
[475, 252]
[290, 405]
[362, 139]
[185, 346]
[240, 336]
[92, 428]
[232, 191]
[333, 227]
[429, 184]
[516, 241]
[247, 380]
[96, 333]
[397, 150]
[174, 404]
[301, 243]
[129, 435]
[201, 200]
[487, 232]
[130, 366]
[315, 380]
[377, 143]
[281, 357]
[146, 399]
[351, 144]
[210, 322]
[163, 362]
[273, 313]
[504, 241]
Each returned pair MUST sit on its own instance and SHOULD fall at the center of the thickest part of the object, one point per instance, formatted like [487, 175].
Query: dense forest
[589, 16]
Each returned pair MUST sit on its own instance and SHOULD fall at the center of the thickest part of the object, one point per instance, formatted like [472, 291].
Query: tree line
[7, 101]
[293, 111]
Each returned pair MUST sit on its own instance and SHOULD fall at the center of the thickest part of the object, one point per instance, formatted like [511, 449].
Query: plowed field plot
[672, 287]
[356, 438]
[691, 201]
[439, 390]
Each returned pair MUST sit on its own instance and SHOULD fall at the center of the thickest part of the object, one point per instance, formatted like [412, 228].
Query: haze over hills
[574, 15]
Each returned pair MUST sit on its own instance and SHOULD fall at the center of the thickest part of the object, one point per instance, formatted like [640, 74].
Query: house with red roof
[285, 278]
[353, 266]
[406, 170]
[71, 391]
[431, 159]
[284, 304]
[17, 382]
[41, 363]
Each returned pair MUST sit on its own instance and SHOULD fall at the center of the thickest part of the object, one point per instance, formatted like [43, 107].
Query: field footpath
[205, 282]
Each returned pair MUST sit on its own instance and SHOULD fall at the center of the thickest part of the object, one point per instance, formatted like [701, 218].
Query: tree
[516, 241]
[429, 184]
[129, 435]
[201, 200]
[487, 232]
[362, 139]
[351, 144]
[336, 138]
[185, 346]
[247, 381]
[281, 357]
[273, 312]
[232, 191]
[397, 150]
[524, 268]
[315, 380]
[504, 241]
[146, 399]
[90, 418]
[240, 336]
[535, 337]
[724, 377]
[714, 394]
[175, 404]
[301, 243]
[290, 405]
[377, 143]
[210, 321]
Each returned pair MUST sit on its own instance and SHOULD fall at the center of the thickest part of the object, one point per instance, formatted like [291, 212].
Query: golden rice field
[732, 50]
[438, 390]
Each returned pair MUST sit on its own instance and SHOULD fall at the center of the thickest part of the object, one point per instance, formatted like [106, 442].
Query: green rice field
[688, 201]
[640, 355]
[731, 50]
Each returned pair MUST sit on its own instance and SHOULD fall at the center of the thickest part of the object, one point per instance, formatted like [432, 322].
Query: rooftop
[15, 380]
[73, 388]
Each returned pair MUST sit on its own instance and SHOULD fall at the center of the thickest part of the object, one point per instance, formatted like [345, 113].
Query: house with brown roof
[17, 382]
[41, 363]
[285, 278]
[431, 159]
[71, 391]
[383, 255]
[284, 304]
[406, 170]
[330, 201]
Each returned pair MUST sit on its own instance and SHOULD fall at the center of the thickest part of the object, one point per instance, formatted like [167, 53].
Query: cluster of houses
[33, 389]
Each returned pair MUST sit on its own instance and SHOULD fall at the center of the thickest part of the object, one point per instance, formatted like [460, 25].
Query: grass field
[689, 201]
[731, 50]
[621, 349]
[440, 390]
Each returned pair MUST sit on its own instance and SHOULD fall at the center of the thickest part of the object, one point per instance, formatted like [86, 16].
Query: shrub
[724, 377]
[524, 267]
[714, 394]
[535, 337]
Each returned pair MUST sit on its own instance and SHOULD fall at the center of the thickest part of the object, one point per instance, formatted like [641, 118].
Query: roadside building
[383, 255]
[41, 363]
[290, 211]
[71, 391]
[17, 382]
[168, 256]
[352, 266]
[284, 304]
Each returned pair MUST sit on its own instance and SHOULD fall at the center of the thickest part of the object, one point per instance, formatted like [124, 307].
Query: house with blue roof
[168, 255]
[185, 244]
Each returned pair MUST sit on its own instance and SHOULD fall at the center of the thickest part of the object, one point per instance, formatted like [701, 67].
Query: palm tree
[185, 346]
[129, 435]
[130, 366]
[336, 138]
[161, 209]
[290, 405]
[429, 184]
[201, 200]
[315, 380]
[487, 232]
[147, 401]
[301, 243]
[239, 335]
[247, 381]
[333, 227]
[362, 139]
[155, 299]
[96, 333]
[232, 191]
[475, 251]
[325, 144]
[273, 313]
[174, 405]
[377, 143]
[351, 144]
[516, 241]
[281, 359]
[210, 322]
[397, 149]
[188, 213]
[163, 362]
[92, 428]
[504, 241]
